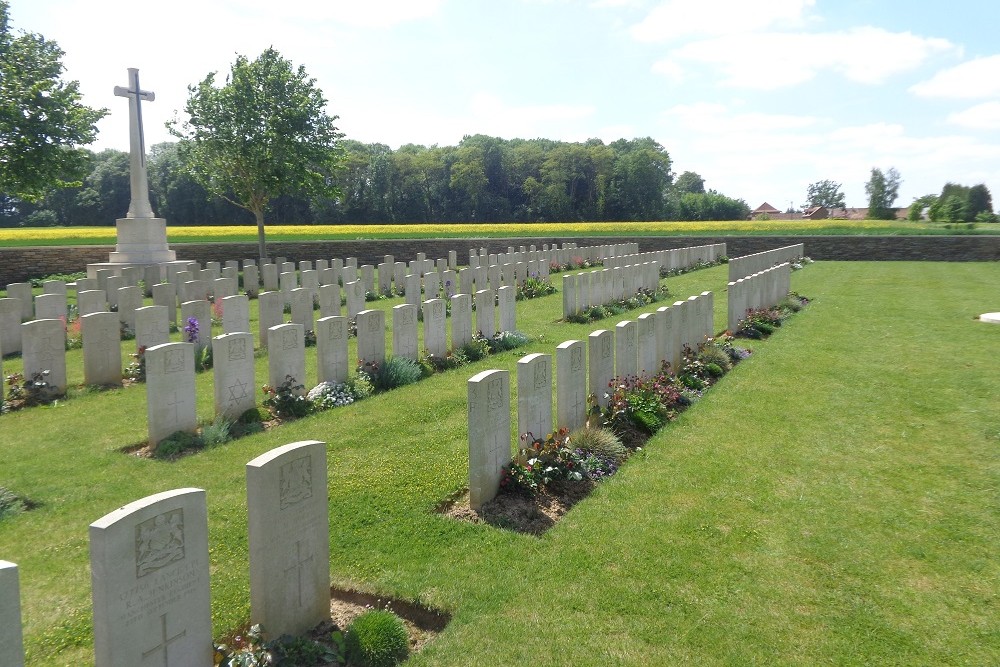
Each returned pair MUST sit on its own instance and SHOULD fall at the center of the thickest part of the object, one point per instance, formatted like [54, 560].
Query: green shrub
[177, 443]
[377, 638]
[10, 504]
[478, 348]
[360, 385]
[397, 372]
[216, 433]
[599, 441]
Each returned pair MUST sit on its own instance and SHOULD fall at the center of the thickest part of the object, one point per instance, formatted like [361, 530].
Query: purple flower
[191, 329]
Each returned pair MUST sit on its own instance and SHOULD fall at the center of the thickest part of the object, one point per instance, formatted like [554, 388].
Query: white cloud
[984, 116]
[367, 14]
[680, 18]
[976, 78]
[671, 69]
[769, 61]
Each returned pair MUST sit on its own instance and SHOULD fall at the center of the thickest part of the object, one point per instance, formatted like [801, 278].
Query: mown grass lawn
[834, 500]
[68, 236]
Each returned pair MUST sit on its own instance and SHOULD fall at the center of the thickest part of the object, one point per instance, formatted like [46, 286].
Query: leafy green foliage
[262, 134]
[825, 193]
[41, 118]
[882, 189]
[287, 400]
[377, 638]
[394, 372]
[285, 651]
[176, 444]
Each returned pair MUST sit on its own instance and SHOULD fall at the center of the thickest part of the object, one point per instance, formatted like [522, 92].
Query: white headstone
[302, 308]
[331, 349]
[601, 361]
[102, 352]
[270, 314]
[646, 343]
[150, 580]
[50, 306]
[329, 299]
[435, 327]
[129, 298]
[571, 384]
[355, 298]
[404, 331]
[289, 537]
[11, 637]
[235, 314]
[43, 348]
[10, 325]
[233, 370]
[506, 307]
[534, 396]
[170, 390]
[489, 434]
[371, 336]
[89, 301]
[165, 294]
[486, 313]
[22, 291]
[286, 356]
[201, 313]
[461, 320]
[151, 326]
[251, 280]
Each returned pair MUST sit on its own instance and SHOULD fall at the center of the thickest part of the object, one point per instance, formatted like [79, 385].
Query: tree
[42, 122]
[882, 190]
[689, 181]
[263, 134]
[826, 194]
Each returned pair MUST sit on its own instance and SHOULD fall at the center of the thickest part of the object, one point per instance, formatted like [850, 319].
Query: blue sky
[760, 98]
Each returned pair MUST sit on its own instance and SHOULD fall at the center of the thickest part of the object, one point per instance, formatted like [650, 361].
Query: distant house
[764, 209]
[816, 213]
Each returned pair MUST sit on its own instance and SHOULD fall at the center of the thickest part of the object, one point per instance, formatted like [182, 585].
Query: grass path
[833, 501]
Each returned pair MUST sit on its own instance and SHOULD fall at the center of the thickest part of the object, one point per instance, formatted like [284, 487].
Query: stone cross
[139, 205]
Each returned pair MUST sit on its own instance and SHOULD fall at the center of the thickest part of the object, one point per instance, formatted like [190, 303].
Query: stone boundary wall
[19, 264]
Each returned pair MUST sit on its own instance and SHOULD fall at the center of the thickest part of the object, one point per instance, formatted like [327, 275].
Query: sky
[761, 98]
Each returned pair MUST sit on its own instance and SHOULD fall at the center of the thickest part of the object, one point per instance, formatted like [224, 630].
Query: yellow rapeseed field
[106, 235]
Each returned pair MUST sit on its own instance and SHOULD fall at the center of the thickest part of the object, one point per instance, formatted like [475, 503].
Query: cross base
[142, 241]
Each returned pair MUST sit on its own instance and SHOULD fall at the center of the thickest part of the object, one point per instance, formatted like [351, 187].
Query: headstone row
[633, 348]
[740, 267]
[598, 287]
[673, 259]
[761, 290]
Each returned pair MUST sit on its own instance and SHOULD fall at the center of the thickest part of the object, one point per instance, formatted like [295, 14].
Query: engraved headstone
[43, 348]
[404, 331]
[371, 336]
[302, 308]
[150, 581]
[235, 313]
[355, 297]
[269, 273]
[626, 349]
[170, 390]
[91, 301]
[112, 285]
[601, 363]
[646, 342]
[571, 384]
[435, 328]
[199, 332]
[489, 434]
[331, 349]
[233, 370]
[251, 280]
[129, 298]
[506, 308]
[50, 306]
[289, 538]
[461, 320]
[151, 326]
[102, 352]
[534, 396]
[286, 356]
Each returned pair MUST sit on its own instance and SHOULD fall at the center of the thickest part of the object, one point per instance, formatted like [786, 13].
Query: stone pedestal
[141, 242]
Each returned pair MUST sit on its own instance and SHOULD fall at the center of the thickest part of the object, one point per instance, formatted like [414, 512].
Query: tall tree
[42, 122]
[263, 134]
[882, 189]
[824, 193]
[690, 181]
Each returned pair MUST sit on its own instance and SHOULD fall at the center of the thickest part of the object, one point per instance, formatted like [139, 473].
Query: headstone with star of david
[233, 370]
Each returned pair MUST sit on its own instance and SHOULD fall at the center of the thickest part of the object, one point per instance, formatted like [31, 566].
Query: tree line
[482, 179]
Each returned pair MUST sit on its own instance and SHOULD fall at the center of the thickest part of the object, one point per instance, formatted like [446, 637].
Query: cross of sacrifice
[139, 205]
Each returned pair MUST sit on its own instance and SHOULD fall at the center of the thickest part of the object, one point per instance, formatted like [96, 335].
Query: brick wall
[19, 264]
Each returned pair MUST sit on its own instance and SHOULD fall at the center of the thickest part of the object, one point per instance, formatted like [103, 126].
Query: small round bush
[360, 385]
[716, 354]
[377, 638]
[398, 372]
[599, 441]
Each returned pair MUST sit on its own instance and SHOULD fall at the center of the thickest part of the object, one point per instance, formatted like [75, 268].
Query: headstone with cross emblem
[331, 349]
[152, 326]
[286, 357]
[289, 538]
[601, 363]
[489, 434]
[371, 336]
[404, 331]
[149, 572]
[171, 404]
[534, 397]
